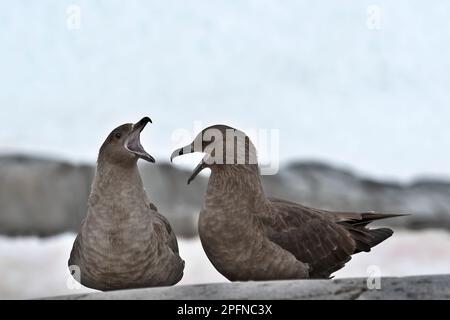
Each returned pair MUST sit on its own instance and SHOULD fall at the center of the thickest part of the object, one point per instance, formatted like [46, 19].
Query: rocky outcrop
[45, 197]
[418, 287]
[40, 196]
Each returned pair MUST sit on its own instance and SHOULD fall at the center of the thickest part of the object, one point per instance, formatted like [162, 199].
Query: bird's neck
[119, 183]
[239, 183]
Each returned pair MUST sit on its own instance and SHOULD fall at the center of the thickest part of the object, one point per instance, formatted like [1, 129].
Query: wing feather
[309, 236]
[171, 237]
[323, 239]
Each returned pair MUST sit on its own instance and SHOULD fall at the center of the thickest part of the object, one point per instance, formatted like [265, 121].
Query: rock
[417, 287]
[45, 197]
[42, 197]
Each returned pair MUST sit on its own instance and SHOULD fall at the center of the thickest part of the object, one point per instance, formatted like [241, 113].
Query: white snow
[31, 267]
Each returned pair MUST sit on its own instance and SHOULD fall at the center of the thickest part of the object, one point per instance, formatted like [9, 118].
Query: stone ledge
[416, 287]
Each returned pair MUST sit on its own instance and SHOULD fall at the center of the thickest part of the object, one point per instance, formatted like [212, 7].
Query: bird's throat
[123, 184]
[240, 188]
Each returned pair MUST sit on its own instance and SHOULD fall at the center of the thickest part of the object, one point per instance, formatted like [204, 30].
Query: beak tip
[147, 120]
[175, 154]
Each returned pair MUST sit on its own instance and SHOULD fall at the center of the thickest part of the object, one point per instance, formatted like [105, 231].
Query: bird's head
[224, 146]
[123, 144]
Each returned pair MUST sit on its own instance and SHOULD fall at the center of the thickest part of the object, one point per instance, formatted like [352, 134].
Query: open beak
[190, 149]
[202, 165]
[133, 143]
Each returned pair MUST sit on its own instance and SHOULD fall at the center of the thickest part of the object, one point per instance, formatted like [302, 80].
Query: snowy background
[371, 95]
[337, 87]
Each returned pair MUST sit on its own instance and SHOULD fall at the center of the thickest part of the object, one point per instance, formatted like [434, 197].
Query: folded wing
[323, 239]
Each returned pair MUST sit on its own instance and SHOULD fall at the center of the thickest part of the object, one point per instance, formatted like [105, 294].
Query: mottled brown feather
[310, 236]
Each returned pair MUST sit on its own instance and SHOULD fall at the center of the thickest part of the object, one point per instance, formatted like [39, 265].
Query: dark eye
[118, 135]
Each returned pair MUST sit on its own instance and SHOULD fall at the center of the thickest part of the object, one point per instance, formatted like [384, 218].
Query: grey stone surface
[42, 197]
[45, 197]
[417, 287]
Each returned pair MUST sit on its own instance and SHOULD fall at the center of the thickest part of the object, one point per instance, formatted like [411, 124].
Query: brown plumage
[248, 236]
[124, 242]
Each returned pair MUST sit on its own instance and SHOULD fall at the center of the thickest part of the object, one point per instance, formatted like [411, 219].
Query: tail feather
[356, 224]
[366, 239]
[368, 217]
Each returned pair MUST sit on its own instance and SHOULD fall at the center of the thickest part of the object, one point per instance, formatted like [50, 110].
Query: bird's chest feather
[117, 230]
[229, 232]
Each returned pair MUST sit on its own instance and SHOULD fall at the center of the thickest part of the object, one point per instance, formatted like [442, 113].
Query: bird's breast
[230, 236]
